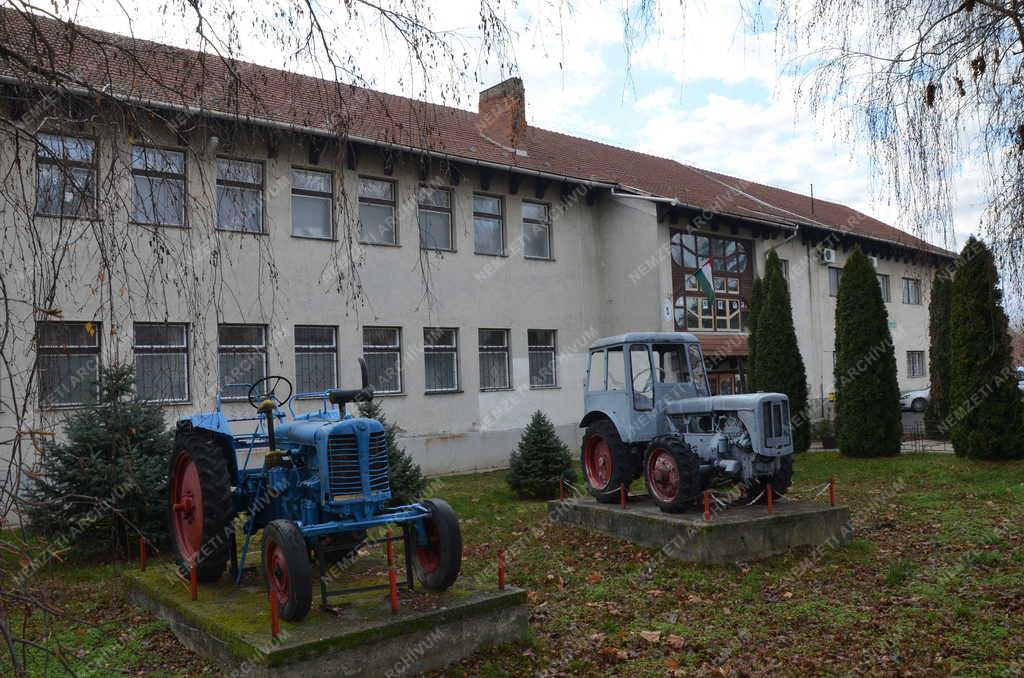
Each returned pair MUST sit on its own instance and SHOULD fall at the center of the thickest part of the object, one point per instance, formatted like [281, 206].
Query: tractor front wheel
[286, 568]
[438, 561]
[780, 482]
[607, 462]
[672, 475]
[199, 507]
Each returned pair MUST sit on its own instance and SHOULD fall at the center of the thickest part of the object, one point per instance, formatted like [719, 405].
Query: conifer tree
[778, 365]
[540, 462]
[407, 481]
[984, 402]
[938, 354]
[868, 421]
[756, 301]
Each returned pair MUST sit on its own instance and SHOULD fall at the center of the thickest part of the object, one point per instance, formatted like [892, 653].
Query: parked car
[916, 400]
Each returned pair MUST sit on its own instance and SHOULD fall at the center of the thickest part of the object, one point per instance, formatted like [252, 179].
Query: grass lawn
[933, 584]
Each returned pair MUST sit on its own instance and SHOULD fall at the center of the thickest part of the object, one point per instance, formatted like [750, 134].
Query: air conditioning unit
[874, 261]
[827, 255]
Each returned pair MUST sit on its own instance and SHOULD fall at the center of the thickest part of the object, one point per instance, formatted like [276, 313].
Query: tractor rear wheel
[607, 462]
[780, 482]
[438, 562]
[199, 510]
[672, 475]
[287, 569]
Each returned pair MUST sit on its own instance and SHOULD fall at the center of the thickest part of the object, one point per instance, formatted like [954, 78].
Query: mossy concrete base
[737, 533]
[230, 626]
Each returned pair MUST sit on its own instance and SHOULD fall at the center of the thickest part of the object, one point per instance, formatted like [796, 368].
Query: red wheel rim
[663, 474]
[597, 462]
[187, 507]
[429, 556]
[277, 571]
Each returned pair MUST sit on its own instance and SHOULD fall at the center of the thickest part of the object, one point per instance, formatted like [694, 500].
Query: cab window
[671, 363]
[616, 369]
[700, 378]
[595, 375]
[642, 377]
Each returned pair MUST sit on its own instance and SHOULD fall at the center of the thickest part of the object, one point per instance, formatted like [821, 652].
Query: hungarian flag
[703, 276]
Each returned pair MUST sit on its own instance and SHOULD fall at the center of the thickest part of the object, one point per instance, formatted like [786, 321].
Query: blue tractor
[321, 484]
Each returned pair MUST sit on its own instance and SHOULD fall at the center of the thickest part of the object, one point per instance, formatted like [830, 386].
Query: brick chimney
[502, 111]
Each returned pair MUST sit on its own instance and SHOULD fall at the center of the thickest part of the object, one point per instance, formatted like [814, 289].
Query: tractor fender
[224, 441]
[620, 422]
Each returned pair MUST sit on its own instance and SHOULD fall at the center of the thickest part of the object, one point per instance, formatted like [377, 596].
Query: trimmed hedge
[938, 355]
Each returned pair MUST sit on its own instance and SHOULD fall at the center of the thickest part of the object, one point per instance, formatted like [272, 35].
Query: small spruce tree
[778, 365]
[868, 421]
[938, 355]
[540, 462]
[107, 480]
[984, 401]
[407, 481]
[756, 301]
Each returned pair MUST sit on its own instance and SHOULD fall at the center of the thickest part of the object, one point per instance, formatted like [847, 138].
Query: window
[65, 176]
[377, 212]
[441, 359]
[316, 358]
[596, 372]
[312, 204]
[911, 291]
[732, 280]
[68, 361]
[488, 225]
[671, 363]
[915, 364]
[835, 276]
[616, 377]
[642, 377]
[883, 284]
[536, 231]
[243, 358]
[543, 366]
[161, 362]
[699, 313]
[494, 360]
[382, 350]
[784, 263]
[435, 217]
[158, 177]
[239, 195]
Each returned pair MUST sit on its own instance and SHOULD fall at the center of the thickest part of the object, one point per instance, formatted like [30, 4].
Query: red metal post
[391, 550]
[393, 582]
[142, 553]
[832, 491]
[501, 569]
[771, 503]
[707, 504]
[193, 581]
[622, 495]
[561, 489]
[275, 619]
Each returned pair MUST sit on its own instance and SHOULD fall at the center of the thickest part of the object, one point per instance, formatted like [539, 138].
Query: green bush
[984, 402]
[540, 462]
[868, 420]
[778, 365]
[938, 355]
[407, 481]
[107, 481]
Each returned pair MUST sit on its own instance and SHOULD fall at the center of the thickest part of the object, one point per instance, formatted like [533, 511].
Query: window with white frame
[911, 291]
[312, 204]
[67, 362]
[883, 284]
[65, 176]
[915, 364]
[382, 350]
[835, 276]
[158, 180]
[242, 350]
[488, 224]
[495, 373]
[434, 211]
[536, 231]
[543, 362]
[441, 359]
[161, 362]
[316, 358]
[377, 212]
[239, 195]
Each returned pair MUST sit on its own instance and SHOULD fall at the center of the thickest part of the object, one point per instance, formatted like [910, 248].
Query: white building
[212, 231]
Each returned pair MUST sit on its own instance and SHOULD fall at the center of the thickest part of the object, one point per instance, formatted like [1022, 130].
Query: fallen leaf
[651, 636]
[675, 642]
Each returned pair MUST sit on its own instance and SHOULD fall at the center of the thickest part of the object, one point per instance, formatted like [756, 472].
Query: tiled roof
[170, 76]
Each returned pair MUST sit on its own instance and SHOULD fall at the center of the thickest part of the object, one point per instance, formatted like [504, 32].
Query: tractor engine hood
[723, 403]
[312, 430]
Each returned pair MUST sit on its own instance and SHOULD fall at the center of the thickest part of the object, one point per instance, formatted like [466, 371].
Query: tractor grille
[775, 417]
[343, 466]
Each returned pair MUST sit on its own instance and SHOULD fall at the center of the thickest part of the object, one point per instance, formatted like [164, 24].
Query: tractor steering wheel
[649, 376]
[273, 381]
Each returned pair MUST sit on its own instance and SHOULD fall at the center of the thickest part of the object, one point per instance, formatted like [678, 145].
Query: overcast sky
[703, 88]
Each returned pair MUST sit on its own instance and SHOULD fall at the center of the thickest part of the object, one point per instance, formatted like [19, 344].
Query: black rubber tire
[919, 405]
[445, 551]
[624, 462]
[218, 511]
[780, 482]
[286, 536]
[690, 486]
